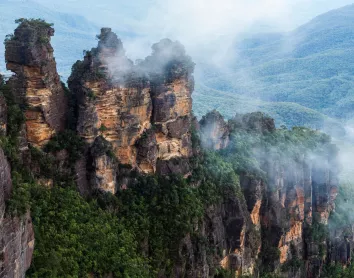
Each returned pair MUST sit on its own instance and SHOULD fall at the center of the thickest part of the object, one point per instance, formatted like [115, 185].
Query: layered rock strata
[36, 84]
[143, 111]
[226, 238]
[138, 117]
[290, 203]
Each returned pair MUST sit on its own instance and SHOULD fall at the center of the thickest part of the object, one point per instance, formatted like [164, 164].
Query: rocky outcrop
[17, 244]
[290, 203]
[226, 238]
[299, 199]
[138, 118]
[214, 131]
[256, 122]
[5, 182]
[170, 71]
[104, 166]
[36, 84]
[341, 245]
[143, 111]
[16, 233]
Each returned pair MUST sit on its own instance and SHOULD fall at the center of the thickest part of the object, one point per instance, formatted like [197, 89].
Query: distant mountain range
[304, 77]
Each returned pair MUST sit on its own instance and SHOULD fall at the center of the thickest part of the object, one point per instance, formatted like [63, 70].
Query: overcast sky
[198, 24]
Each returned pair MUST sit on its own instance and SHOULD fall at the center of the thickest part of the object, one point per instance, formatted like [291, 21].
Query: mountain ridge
[310, 66]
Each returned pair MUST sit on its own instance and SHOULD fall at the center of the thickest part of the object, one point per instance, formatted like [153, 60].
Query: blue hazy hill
[310, 69]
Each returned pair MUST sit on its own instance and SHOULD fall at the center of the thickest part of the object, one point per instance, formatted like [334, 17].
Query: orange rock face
[255, 214]
[171, 116]
[36, 85]
[294, 235]
[126, 103]
[120, 115]
[38, 131]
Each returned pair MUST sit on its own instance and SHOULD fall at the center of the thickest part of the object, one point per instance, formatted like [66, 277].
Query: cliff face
[136, 120]
[36, 85]
[294, 198]
[16, 234]
[214, 131]
[3, 110]
[228, 229]
[172, 84]
[143, 112]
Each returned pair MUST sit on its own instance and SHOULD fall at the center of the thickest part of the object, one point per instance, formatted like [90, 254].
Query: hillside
[113, 176]
[310, 66]
[285, 113]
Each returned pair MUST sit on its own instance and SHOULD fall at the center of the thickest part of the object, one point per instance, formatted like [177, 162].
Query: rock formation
[143, 111]
[137, 118]
[16, 233]
[296, 196]
[214, 131]
[236, 244]
[36, 84]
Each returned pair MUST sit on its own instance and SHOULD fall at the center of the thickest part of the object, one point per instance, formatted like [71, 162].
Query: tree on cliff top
[34, 22]
[39, 25]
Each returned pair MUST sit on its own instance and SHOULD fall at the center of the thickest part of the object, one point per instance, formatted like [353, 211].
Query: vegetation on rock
[155, 225]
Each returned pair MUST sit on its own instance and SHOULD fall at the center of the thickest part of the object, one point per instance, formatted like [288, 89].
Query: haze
[199, 24]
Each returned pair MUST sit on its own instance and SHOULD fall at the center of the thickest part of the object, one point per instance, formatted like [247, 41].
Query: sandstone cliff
[16, 233]
[290, 203]
[226, 238]
[136, 120]
[214, 131]
[143, 111]
[36, 84]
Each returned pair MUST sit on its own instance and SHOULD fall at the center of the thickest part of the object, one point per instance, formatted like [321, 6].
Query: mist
[208, 29]
[197, 24]
[346, 154]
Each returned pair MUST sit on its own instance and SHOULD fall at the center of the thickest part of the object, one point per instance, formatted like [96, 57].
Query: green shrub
[20, 201]
[67, 140]
[35, 22]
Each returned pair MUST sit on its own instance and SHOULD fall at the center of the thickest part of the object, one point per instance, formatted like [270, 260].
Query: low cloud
[206, 27]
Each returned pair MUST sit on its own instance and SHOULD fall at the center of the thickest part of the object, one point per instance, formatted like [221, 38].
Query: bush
[20, 201]
[67, 140]
[35, 22]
